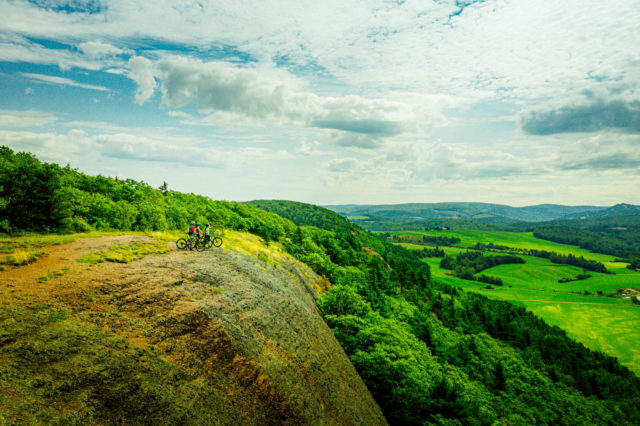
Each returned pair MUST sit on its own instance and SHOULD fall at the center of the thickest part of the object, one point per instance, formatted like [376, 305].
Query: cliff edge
[227, 336]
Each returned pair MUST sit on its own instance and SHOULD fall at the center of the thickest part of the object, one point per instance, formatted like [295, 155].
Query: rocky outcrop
[241, 320]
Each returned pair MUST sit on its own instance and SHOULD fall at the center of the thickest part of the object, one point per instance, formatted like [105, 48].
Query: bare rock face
[249, 326]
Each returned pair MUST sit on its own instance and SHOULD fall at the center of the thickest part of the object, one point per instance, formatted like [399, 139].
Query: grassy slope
[611, 325]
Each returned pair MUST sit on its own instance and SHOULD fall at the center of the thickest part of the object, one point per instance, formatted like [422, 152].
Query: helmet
[193, 222]
[207, 224]
[198, 223]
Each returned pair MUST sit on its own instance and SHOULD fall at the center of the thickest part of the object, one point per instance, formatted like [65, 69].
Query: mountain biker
[192, 229]
[207, 233]
[198, 230]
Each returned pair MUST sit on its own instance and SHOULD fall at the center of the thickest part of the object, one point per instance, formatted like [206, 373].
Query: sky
[334, 102]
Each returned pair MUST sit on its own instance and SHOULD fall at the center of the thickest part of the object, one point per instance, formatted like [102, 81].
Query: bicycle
[191, 243]
[212, 241]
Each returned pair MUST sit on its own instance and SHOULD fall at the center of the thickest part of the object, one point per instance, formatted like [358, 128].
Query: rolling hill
[480, 212]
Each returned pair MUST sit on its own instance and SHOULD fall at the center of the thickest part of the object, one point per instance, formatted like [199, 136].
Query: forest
[428, 352]
[618, 236]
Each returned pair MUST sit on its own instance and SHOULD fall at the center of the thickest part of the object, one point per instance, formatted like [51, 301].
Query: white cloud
[60, 148]
[62, 81]
[263, 93]
[98, 49]
[142, 73]
[28, 118]
[14, 48]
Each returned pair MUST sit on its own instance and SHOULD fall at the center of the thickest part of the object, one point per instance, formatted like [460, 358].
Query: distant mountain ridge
[498, 214]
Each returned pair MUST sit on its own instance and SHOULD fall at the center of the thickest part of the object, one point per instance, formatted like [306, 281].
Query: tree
[32, 192]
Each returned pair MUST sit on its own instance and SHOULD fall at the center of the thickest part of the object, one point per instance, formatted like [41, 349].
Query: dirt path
[22, 282]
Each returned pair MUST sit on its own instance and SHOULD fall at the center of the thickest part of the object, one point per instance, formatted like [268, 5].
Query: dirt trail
[250, 329]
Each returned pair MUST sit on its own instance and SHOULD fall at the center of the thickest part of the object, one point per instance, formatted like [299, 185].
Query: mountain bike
[191, 243]
[213, 241]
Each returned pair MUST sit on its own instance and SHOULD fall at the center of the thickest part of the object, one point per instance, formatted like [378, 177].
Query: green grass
[609, 324]
[19, 258]
[127, 253]
[23, 249]
[54, 274]
[518, 240]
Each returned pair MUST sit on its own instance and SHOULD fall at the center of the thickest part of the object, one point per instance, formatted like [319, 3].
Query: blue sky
[332, 102]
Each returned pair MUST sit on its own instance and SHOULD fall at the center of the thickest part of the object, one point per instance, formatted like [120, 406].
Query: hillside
[304, 214]
[480, 212]
[617, 234]
[227, 336]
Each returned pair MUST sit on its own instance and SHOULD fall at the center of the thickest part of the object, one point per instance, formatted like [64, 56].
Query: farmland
[590, 310]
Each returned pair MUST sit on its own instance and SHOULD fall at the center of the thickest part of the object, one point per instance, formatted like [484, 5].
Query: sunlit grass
[54, 274]
[127, 253]
[19, 258]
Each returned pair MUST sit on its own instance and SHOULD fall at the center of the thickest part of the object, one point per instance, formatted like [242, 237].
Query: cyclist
[207, 233]
[198, 231]
[192, 229]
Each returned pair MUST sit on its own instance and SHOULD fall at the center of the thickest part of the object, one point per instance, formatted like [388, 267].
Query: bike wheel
[208, 244]
[182, 244]
[200, 246]
[217, 241]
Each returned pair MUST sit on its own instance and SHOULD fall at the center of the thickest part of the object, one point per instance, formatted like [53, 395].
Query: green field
[608, 324]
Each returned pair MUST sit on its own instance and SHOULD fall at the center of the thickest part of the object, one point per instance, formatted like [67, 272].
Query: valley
[592, 310]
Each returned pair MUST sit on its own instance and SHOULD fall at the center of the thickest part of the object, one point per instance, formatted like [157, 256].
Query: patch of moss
[54, 274]
[57, 370]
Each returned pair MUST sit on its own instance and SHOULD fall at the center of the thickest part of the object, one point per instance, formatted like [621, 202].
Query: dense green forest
[429, 353]
[476, 261]
[37, 196]
[618, 235]
[305, 214]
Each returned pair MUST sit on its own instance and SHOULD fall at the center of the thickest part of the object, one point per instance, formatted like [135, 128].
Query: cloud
[28, 118]
[356, 141]
[142, 73]
[364, 126]
[156, 148]
[62, 81]
[14, 48]
[307, 148]
[609, 151]
[267, 93]
[132, 147]
[344, 165]
[98, 49]
[591, 116]
[60, 148]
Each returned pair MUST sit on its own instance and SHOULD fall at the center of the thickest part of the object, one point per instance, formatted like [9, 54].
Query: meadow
[601, 321]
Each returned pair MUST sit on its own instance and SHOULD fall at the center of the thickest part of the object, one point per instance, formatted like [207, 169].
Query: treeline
[475, 261]
[300, 215]
[569, 259]
[36, 196]
[492, 247]
[429, 252]
[421, 239]
[604, 236]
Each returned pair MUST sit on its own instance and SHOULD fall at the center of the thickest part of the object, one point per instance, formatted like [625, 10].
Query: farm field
[608, 324]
